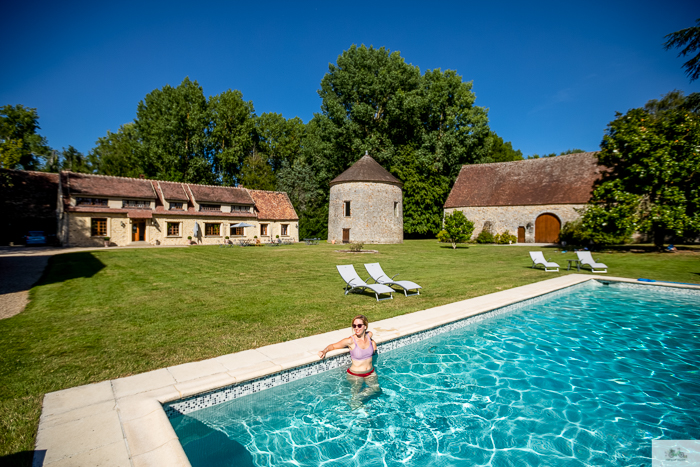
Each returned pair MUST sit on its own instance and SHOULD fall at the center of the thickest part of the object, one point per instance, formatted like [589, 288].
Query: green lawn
[106, 314]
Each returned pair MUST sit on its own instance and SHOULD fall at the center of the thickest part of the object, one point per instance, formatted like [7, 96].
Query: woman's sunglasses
[357, 325]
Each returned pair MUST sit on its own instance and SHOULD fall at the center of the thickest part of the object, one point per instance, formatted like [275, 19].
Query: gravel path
[17, 275]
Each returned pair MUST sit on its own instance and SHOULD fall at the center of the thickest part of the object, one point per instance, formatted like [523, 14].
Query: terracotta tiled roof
[273, 205]
[220, 194]
[565, 179]
[366, 170]
[102, 185]
[173, 191]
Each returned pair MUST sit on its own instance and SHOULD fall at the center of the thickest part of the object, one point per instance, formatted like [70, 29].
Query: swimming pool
[588, 376]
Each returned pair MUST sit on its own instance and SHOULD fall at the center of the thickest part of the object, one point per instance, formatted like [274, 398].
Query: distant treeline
[420, 127]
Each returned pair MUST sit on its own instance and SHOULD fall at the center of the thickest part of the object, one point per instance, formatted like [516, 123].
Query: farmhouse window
[210, 207]
[236, 231]
[134, 203]
[346, 208]
[263, 229]
[98, 227]
[173, 229]
[213, 230]
[284, 230]
[91, 202]
[176, 207]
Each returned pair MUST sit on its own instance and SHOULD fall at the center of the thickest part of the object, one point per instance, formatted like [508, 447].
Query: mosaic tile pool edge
[228, 393]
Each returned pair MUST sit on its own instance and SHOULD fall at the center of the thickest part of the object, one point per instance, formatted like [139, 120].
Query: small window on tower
[346, 208]
[396, 209]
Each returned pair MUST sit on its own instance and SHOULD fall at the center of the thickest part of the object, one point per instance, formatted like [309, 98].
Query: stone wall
[509, 218]
[119, 229]
[372, 219]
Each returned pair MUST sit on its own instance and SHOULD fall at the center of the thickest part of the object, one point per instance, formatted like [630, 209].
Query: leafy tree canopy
[653, 185]
[120, 154]
[501, 151]
[173, 125]
[689, 39]
[422, 128]
[256, 173]
[20, 144]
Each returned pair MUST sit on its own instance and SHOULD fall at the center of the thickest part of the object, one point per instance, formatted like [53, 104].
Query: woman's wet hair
[363, 318]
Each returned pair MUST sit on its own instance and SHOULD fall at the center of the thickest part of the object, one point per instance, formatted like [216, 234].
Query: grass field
[115, 312]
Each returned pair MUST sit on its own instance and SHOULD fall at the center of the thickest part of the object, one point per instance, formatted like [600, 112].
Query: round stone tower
[366, 205]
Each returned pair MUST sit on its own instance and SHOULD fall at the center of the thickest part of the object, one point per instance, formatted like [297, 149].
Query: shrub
[457, 229]
[356, 246]
[505, 238]
[485, 237]
[573, 233]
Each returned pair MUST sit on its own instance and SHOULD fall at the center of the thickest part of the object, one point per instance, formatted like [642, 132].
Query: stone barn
[366, 205]
[531, 198]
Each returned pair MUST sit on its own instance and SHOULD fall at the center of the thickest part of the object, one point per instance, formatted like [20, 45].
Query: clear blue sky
[551, 73]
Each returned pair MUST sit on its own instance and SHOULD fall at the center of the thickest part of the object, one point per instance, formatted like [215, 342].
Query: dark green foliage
[256, 173]
[485, 237]
[573, 233]
[654, 184]
[20, 144]
[230, 134]
[689, 38]
[172, 124]
[75, 161]
[120, 154]
[502, 151]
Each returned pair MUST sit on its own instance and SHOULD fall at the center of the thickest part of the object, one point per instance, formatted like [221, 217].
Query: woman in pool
[362, 348]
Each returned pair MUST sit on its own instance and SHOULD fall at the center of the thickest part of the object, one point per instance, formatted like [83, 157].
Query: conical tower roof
[366, 170]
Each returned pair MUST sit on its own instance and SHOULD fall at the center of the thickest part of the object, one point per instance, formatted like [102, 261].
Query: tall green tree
[501, 151]
[173, 125]
[20, 144]
[689, 40]
[120, 154]
[75, 161]
[653, 183]
[232, 133]
[256, 173]
[420, 127]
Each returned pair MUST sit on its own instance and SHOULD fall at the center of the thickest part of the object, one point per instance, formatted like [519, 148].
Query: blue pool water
[587, 377]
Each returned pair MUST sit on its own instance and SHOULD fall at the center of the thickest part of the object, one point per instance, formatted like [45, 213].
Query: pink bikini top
[361, 354]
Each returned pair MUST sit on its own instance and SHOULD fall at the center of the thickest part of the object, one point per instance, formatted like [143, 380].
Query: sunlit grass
[106, 314]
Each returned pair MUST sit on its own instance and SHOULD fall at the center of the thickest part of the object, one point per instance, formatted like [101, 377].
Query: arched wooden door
[547, 227]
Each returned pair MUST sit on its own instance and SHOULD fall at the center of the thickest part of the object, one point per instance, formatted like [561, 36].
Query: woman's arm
[338, 345]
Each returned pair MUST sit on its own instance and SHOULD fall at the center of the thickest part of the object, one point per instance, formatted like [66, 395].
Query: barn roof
[273, 205]
[366, 170]
[565, 179]
[105, 185]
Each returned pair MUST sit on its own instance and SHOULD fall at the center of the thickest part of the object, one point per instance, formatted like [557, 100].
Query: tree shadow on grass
[70, 266]
[459, 247]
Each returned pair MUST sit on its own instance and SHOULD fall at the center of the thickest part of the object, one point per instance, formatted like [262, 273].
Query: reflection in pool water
[587, 378]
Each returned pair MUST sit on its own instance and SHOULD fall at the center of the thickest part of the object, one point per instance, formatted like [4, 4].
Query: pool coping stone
[121, 422]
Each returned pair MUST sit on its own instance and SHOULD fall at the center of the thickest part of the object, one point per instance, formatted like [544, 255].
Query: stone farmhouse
[366, 205]
[133, 211]
[531, 198]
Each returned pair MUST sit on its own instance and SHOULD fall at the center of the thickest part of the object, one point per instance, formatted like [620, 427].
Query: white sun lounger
[353, 281]
[585, 257]
[538, 258]
[377, 274]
